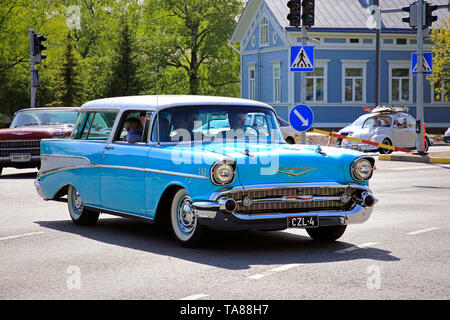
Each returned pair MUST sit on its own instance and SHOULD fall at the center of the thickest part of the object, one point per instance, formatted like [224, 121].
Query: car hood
[35, 132]
[259, 163]
[349, 129]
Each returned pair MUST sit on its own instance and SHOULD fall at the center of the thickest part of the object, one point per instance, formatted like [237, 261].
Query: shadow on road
[27, 175]
[234, 250]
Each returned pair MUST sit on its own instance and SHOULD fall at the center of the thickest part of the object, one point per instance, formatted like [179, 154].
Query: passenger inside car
[134, 129]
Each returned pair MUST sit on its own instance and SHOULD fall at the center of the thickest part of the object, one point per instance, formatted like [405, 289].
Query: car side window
[94, 125]
[133, 127]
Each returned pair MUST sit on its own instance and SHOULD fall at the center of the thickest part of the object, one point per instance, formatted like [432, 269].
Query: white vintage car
[387, 125]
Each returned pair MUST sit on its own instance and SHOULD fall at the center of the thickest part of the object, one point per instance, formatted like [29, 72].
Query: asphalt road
[402, 252]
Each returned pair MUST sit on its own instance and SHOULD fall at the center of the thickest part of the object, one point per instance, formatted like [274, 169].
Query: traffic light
[429, 18]
[412, 19]
[294, 12]
[38, 47]
[308, 13]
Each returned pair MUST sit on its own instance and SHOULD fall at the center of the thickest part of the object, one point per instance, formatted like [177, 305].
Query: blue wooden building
[343, 80]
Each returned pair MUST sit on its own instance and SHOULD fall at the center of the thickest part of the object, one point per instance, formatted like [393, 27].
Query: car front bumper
[359, 147]
[214, 214]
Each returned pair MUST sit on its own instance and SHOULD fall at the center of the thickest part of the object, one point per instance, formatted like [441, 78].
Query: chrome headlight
[222, 172]
[362, 169]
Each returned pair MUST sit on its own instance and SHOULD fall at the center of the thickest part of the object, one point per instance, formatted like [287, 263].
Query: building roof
[354, 13]
[147, 102]
[341, 15]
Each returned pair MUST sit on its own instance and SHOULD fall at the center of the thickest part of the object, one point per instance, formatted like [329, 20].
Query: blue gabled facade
[345, 62]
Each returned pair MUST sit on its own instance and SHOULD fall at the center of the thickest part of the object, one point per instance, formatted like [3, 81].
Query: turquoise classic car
[200, 165]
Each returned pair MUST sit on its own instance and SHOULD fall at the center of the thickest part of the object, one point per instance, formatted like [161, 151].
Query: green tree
[69, 90]
[441, 61]
[123, 79]
[191, 35]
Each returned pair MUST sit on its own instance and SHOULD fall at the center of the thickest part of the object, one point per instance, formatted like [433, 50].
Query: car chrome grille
[20, 146]
[273, 200]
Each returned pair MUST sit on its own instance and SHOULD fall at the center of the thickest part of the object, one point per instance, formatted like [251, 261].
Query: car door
[123, 175]
[401, 132]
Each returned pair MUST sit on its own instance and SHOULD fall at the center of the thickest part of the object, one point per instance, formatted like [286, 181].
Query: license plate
[20, 157]
[303, 222]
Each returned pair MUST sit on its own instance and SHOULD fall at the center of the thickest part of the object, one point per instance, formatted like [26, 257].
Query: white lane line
[361, 246]
[416, 168]
[257, 276]
[22, 235]
[274, 270]
[195, 297]
[421, 231]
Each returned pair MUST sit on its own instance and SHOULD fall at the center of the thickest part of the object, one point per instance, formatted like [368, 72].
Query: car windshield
[378, 121]
[216, 123]
[360, 121]
[44, 118]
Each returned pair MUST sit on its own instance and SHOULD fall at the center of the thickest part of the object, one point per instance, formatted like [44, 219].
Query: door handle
[109, 148]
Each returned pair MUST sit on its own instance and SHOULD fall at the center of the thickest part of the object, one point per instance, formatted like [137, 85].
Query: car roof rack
[389, 109]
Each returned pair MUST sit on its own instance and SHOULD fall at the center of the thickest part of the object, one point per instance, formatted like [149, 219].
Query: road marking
[361, 246]
[274, 270]
[421, 231]
[195, 297]
[22, 235]
[425, 166]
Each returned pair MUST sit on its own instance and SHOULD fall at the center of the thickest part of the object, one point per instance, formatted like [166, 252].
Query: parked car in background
[20, 144]
[200, 165]
[447, 135]
[391, 126]
[290, 135]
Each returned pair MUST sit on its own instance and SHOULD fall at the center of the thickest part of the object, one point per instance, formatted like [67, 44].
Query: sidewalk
[432, 157]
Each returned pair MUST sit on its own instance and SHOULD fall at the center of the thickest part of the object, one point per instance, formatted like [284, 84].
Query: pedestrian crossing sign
[427, 63]
[302, 58]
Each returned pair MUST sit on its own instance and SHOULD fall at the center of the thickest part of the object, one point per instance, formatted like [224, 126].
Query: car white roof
[153, 102]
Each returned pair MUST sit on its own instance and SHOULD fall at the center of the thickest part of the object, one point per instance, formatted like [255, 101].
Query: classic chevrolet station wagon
[198, 162]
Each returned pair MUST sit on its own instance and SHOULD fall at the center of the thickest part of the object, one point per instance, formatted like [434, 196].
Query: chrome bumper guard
[358, 213]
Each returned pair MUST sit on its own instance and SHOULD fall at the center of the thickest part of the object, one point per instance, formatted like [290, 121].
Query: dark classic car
[20, 144]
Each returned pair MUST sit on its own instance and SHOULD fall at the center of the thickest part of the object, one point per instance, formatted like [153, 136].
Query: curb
[422, 159]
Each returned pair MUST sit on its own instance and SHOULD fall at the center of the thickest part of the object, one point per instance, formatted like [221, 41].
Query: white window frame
[355, 64]
[252, 81]
[276, 82]
[400, 64]
[319, 64]
[264, 32]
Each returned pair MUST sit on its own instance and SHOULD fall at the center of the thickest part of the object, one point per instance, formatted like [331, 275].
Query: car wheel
[427, 144]
[330, 233]
[290, 140]
[80, 215]
[184, 222]
[386, 151]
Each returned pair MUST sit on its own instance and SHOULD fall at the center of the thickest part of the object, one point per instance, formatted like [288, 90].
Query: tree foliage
[441, 61]
[102, 48]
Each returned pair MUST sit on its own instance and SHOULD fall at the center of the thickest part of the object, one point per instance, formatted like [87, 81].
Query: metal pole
[303, 85]
[377, 52]
[32, 70]
[419, 82]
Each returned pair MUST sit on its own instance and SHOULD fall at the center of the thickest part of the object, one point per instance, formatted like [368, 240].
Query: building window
[315, 85]
[354, 82]
[401, 41]
[443, 94]
[276, 82]
[264, 32]
[400, 84]
[251, 82]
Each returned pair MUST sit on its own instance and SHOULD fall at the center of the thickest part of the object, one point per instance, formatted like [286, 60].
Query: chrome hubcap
[77, 201]
[186, 216]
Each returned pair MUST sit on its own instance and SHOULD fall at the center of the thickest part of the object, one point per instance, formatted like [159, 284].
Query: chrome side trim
[173, 173]
[118, 213]
[214, 196]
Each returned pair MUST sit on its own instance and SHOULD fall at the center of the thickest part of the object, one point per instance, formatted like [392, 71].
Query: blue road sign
[302, 58]
[301, 117]
[427, 63]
